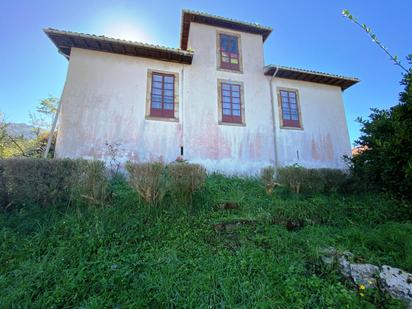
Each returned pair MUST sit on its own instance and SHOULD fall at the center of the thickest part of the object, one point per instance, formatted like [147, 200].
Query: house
[212, 101]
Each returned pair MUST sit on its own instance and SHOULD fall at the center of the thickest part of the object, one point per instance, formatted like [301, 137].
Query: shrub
[323, 180]
[268, 179]
[186, 179]
[46, 182]
[94, 183]
[148, 180]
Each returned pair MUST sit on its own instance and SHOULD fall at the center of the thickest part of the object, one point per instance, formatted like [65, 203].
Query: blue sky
[306, 34]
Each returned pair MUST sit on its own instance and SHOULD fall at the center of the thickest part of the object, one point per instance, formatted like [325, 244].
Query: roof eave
[311, 76]
[117, 46]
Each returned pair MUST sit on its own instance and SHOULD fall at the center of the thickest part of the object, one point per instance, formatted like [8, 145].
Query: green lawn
[128, 255]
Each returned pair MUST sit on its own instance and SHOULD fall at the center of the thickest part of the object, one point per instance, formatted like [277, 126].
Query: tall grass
[124, 256]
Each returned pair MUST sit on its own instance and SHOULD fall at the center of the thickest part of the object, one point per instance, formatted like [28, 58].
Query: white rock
[344, 265]
[397, 283]
[364, 274]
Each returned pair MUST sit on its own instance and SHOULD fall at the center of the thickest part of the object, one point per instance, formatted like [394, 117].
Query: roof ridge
[254, 24]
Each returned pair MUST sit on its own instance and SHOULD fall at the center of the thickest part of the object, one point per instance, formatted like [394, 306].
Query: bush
[94, 183]
[268, 179]
[185, 180]
[46, 182]
[148, 180]
[323, 180]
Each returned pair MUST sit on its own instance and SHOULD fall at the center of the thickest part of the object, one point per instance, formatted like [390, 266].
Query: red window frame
[228, 56]
[290, 108]
[162, 95]
[231, 102]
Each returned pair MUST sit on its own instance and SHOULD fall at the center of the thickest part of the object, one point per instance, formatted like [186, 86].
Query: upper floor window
[229, 55]
[231, 102]
[162, 95]
[289, 103]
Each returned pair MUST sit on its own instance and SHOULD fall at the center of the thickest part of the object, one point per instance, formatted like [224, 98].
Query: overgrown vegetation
[32, 181]
[303, 180]
[262, 253]
[185, 180]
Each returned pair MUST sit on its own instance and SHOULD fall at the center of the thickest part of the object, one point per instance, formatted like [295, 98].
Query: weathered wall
[104, 100]
[226, 148]
[324, 138]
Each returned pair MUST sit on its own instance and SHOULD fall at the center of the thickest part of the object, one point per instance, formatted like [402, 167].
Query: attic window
[289, 105]
[229, 56]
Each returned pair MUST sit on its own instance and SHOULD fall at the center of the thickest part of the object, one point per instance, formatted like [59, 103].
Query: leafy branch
[372, 35]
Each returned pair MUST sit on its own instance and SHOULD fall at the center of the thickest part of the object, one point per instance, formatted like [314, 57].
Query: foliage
[124, 256]
[268, 178]
[386, 164]
[185, 179]
[43, 182]
[148, 179]
[304, 180]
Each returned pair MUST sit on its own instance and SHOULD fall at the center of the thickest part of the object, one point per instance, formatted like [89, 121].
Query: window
[162, 95]
[229, 52]
[231, 105]
[289, 104]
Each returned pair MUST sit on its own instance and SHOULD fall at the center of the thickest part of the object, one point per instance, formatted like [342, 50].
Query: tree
[45, 111]
[15, 146]
[386, 136]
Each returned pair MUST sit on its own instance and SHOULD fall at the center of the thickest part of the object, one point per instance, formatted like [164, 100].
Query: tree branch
[372, 35]
[17, 145]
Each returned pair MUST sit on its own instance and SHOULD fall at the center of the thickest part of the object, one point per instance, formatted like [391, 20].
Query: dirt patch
[228, 205]
[289, 224]
[231, 225]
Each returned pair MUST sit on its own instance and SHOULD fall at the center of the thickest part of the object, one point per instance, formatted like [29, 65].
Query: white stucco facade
[105, 101]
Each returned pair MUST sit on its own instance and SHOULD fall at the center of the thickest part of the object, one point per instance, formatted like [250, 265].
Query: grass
[129, 255]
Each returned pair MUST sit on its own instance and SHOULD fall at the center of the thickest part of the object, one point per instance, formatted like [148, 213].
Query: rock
[344, 262]
[364, 274]
[344, 265]
[328, 255]
[397, 283]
